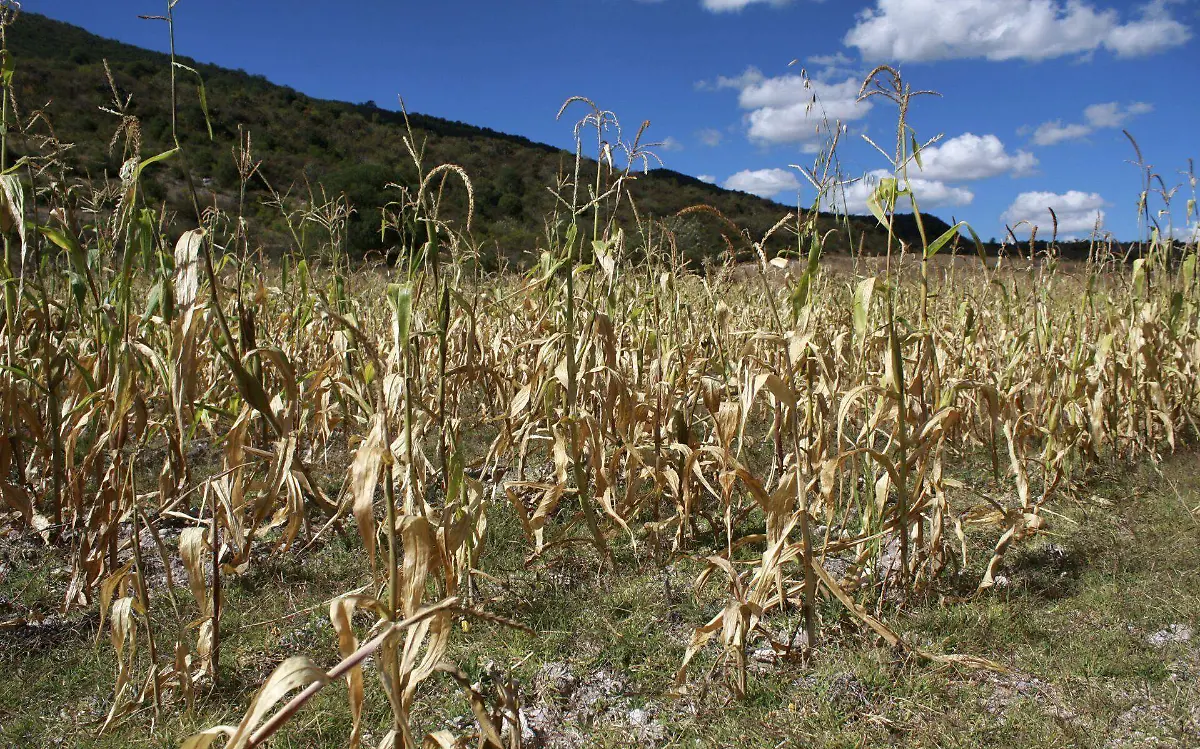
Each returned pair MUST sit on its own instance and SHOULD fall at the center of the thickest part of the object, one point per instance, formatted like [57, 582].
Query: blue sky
[1034, 92]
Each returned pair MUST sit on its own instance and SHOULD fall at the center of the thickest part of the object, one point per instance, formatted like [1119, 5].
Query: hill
[352, 148]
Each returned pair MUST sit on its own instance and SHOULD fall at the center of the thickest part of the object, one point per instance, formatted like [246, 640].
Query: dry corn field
[825, 447]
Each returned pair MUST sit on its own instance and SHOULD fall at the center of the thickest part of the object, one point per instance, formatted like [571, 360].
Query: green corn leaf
[302, 272]
[25, 375]
[572, 233]
[155, 159]
[78, 287]
[143, 237]
[883, 200]
[1139, 276]
[249, 387]
[1176, 307]
[941, 241]
[8, 66]
[799, 296]
[400, 298]
[203, 95]
[978, 244]
[153, 301]
[60, 238]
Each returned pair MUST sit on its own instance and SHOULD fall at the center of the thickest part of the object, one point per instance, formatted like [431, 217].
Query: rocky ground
[1097, 625]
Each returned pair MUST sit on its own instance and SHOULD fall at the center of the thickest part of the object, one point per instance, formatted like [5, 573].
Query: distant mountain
[351, 148]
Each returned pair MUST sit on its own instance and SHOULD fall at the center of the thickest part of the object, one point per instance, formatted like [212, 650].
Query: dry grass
[805, 442]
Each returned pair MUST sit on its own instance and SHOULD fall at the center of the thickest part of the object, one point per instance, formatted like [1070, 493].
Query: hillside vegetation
[356, 149]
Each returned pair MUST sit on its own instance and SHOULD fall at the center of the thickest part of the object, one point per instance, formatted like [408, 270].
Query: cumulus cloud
[972, 157]
[791, 109]
[837, 59]
[925, 30]
[764, 183]
[1187, 234]
[710, 137]
[930, 193]
[707, 178]
[965, 158]
[1050, 133]
[750, 76]
[831, 67]
[1077, 211]
[1155, 31]
[1110, 114]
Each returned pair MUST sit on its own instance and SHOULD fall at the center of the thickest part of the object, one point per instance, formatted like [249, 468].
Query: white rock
[1173, 633]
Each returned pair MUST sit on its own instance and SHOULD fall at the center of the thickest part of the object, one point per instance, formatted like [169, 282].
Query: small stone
[556, 681]
[1176, 633]
[528, 734]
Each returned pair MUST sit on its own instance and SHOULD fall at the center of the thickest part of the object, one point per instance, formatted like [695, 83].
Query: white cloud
[764, 183]
[670, 143]
[971, 157]
[1111, 114]
[786, 90]
[1077, 211]
[710, 137]
[707, 178]
[930, 193]
[1050, 133]
[836, 60]
[750, 76]
[724, 6]
[1187, 234]
[790, 109]
[832, 67]
[1154, 31]
[1097, 116]
[924, 30]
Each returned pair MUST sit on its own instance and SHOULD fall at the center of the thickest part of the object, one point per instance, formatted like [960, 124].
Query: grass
[1074, 621]
[592, 486]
